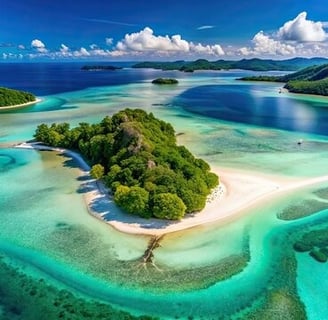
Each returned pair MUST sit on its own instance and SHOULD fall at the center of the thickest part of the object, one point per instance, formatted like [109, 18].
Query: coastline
[238, 191]
[17, 106]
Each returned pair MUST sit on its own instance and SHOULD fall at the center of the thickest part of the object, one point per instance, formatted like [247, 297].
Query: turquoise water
[243, 269]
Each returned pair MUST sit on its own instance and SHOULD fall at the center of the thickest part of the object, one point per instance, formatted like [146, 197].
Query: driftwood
[147, 257]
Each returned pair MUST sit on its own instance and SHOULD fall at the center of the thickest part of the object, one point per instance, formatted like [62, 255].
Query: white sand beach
[239, 190]
[17, 106]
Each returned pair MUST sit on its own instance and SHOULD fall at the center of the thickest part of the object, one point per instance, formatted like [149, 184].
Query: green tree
[133, 200]
[168, 206]
[97, 171]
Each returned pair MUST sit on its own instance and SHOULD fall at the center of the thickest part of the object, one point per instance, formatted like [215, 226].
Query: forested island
[137, 157]
[310, 80]
[99, 68]
[165, 81]
[11, 97]
[244, 64]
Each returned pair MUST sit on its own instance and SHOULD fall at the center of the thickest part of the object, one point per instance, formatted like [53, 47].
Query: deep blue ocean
[241, 102]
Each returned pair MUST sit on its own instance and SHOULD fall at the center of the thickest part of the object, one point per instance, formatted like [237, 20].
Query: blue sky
[162, 30]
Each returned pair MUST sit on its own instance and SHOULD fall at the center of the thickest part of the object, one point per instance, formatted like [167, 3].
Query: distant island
[12, 98]
[310, 80]
[165, 81]
[244, 64]
[100, 68]
[136, 156]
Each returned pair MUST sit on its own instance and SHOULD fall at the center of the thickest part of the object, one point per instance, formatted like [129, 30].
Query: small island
[310, 80]
[137, 158]
[165, 81]
[10, 98]
[100, 68]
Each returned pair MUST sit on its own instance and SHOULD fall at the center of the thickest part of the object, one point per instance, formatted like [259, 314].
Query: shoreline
[239, 190]
[17, 106]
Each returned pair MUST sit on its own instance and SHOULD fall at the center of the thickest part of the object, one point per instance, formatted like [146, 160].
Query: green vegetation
[100, 68]
[10, 97]
[311, 80]
[139, 160]
[316, 243]
[245, 64]
[319, 87]
[165, 81]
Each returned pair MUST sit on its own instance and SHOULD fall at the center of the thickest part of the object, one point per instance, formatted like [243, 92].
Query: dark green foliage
[319, 87]
[311, 80]
[97, 171]
[245, 64]
[10, 97]
[168, 206]
[137, 156]
[99, 68]
[165, 81]
[261, 78]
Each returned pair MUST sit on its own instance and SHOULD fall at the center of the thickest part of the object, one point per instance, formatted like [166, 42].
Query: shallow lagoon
[245, 268]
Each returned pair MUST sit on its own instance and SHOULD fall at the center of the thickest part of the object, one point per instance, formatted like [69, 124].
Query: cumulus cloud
[145, 41]
[21, 47]
[297, 37]
[39, 46]
[302, 30]
[81, 53]
[265, 45]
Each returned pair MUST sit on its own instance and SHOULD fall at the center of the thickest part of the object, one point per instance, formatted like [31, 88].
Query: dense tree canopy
[10, 97]
[310, 80]
[137, 156]
[165, 81]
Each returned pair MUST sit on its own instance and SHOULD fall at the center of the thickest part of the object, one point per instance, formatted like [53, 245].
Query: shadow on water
[252, 104]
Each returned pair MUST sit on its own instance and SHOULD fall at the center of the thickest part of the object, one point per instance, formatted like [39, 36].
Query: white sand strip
[17, 106]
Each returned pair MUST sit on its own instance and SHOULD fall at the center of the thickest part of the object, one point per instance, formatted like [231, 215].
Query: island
[310, 80]
[10, 98]
[137, 157]
[165, 81]
[254, 64]
[99, 68]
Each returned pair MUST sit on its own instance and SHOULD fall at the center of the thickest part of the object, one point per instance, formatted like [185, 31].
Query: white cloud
[205, 27]
[302, 30]
[109, 41]
[93, 46]
[64, 48]
[298, 37]
[39, 46]
[21, 47]
[81, 53]
[145, 41]
[265, 44]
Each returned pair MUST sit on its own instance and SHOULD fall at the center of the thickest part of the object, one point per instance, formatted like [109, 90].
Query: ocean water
[60, 260]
